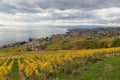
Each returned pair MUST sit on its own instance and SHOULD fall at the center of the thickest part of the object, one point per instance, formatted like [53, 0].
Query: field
[50, 65]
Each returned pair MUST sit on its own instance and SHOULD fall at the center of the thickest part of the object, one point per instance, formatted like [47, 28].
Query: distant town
[32, 44]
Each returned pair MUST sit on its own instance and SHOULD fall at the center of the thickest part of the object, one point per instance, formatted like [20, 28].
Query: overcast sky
[60, 12]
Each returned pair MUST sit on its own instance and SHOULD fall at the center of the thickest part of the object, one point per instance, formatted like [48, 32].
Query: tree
[116, 42]
[30, 39]
[103, 44]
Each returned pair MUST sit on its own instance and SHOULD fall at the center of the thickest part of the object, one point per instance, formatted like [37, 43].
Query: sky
[60, 12]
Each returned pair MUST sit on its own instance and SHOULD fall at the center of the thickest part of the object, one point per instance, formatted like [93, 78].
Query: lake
[10, 34]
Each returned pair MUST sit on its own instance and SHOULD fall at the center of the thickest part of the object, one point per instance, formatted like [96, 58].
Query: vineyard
[46, 65]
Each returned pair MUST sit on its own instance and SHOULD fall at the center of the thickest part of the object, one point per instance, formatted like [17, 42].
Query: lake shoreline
[75, 32]
[21, 34]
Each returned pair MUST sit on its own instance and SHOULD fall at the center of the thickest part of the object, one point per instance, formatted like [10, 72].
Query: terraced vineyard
[47, 65]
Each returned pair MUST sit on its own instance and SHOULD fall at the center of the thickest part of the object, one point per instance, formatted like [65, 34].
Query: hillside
[57, 65]
[74, 39]
[62, 58]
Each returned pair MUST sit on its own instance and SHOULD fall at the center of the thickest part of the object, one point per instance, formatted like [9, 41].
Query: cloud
[36, 5]
[59, 12]
[108, 15]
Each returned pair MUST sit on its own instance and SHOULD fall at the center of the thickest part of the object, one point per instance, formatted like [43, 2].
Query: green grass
[6, 50]
[15, 71]
[108, 69]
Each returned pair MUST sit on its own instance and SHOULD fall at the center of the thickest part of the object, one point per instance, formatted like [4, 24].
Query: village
[37, 44]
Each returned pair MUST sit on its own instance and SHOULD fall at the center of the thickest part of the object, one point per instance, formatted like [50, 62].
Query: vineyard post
[54, 73]
[34, 75]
